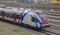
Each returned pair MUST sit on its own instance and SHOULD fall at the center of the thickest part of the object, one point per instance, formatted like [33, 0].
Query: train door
[2, 15]
[27, 20]
[30, 20]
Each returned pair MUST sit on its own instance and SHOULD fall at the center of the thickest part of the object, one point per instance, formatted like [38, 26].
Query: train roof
[13, 9]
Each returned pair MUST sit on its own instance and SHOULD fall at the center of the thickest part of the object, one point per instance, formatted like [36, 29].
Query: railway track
[54, 21]
[55, 27]
[54, 17]
[53, 31]
[48, 31]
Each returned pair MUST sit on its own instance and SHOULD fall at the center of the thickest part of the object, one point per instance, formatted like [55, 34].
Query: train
[54, 1]
[32, 17]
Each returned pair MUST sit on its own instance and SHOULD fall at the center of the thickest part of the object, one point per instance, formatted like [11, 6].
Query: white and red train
[27, 16]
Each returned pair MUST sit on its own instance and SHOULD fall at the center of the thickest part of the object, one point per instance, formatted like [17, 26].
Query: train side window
[0, 13]
[8, 15]
[34, 19]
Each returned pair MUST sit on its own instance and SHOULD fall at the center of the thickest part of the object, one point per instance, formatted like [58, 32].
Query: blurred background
[41, 4]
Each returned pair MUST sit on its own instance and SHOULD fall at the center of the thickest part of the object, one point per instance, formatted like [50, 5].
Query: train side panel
[30, 20]
[27, 20]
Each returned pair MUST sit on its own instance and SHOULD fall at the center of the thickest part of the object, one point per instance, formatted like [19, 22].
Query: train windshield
[42, 14]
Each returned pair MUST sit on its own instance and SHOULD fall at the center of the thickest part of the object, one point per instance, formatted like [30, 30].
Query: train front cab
[34, 21]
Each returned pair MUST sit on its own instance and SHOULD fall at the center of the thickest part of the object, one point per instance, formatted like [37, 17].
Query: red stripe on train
[14, 18]
[3, 17]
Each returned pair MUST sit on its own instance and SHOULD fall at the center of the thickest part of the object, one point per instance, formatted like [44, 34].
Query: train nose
[45, 22]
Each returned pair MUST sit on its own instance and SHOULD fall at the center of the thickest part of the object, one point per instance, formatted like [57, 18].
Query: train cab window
[34, 19]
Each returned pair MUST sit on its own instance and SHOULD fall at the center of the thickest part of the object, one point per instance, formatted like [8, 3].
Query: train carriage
[54, 1]
[34, 18]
